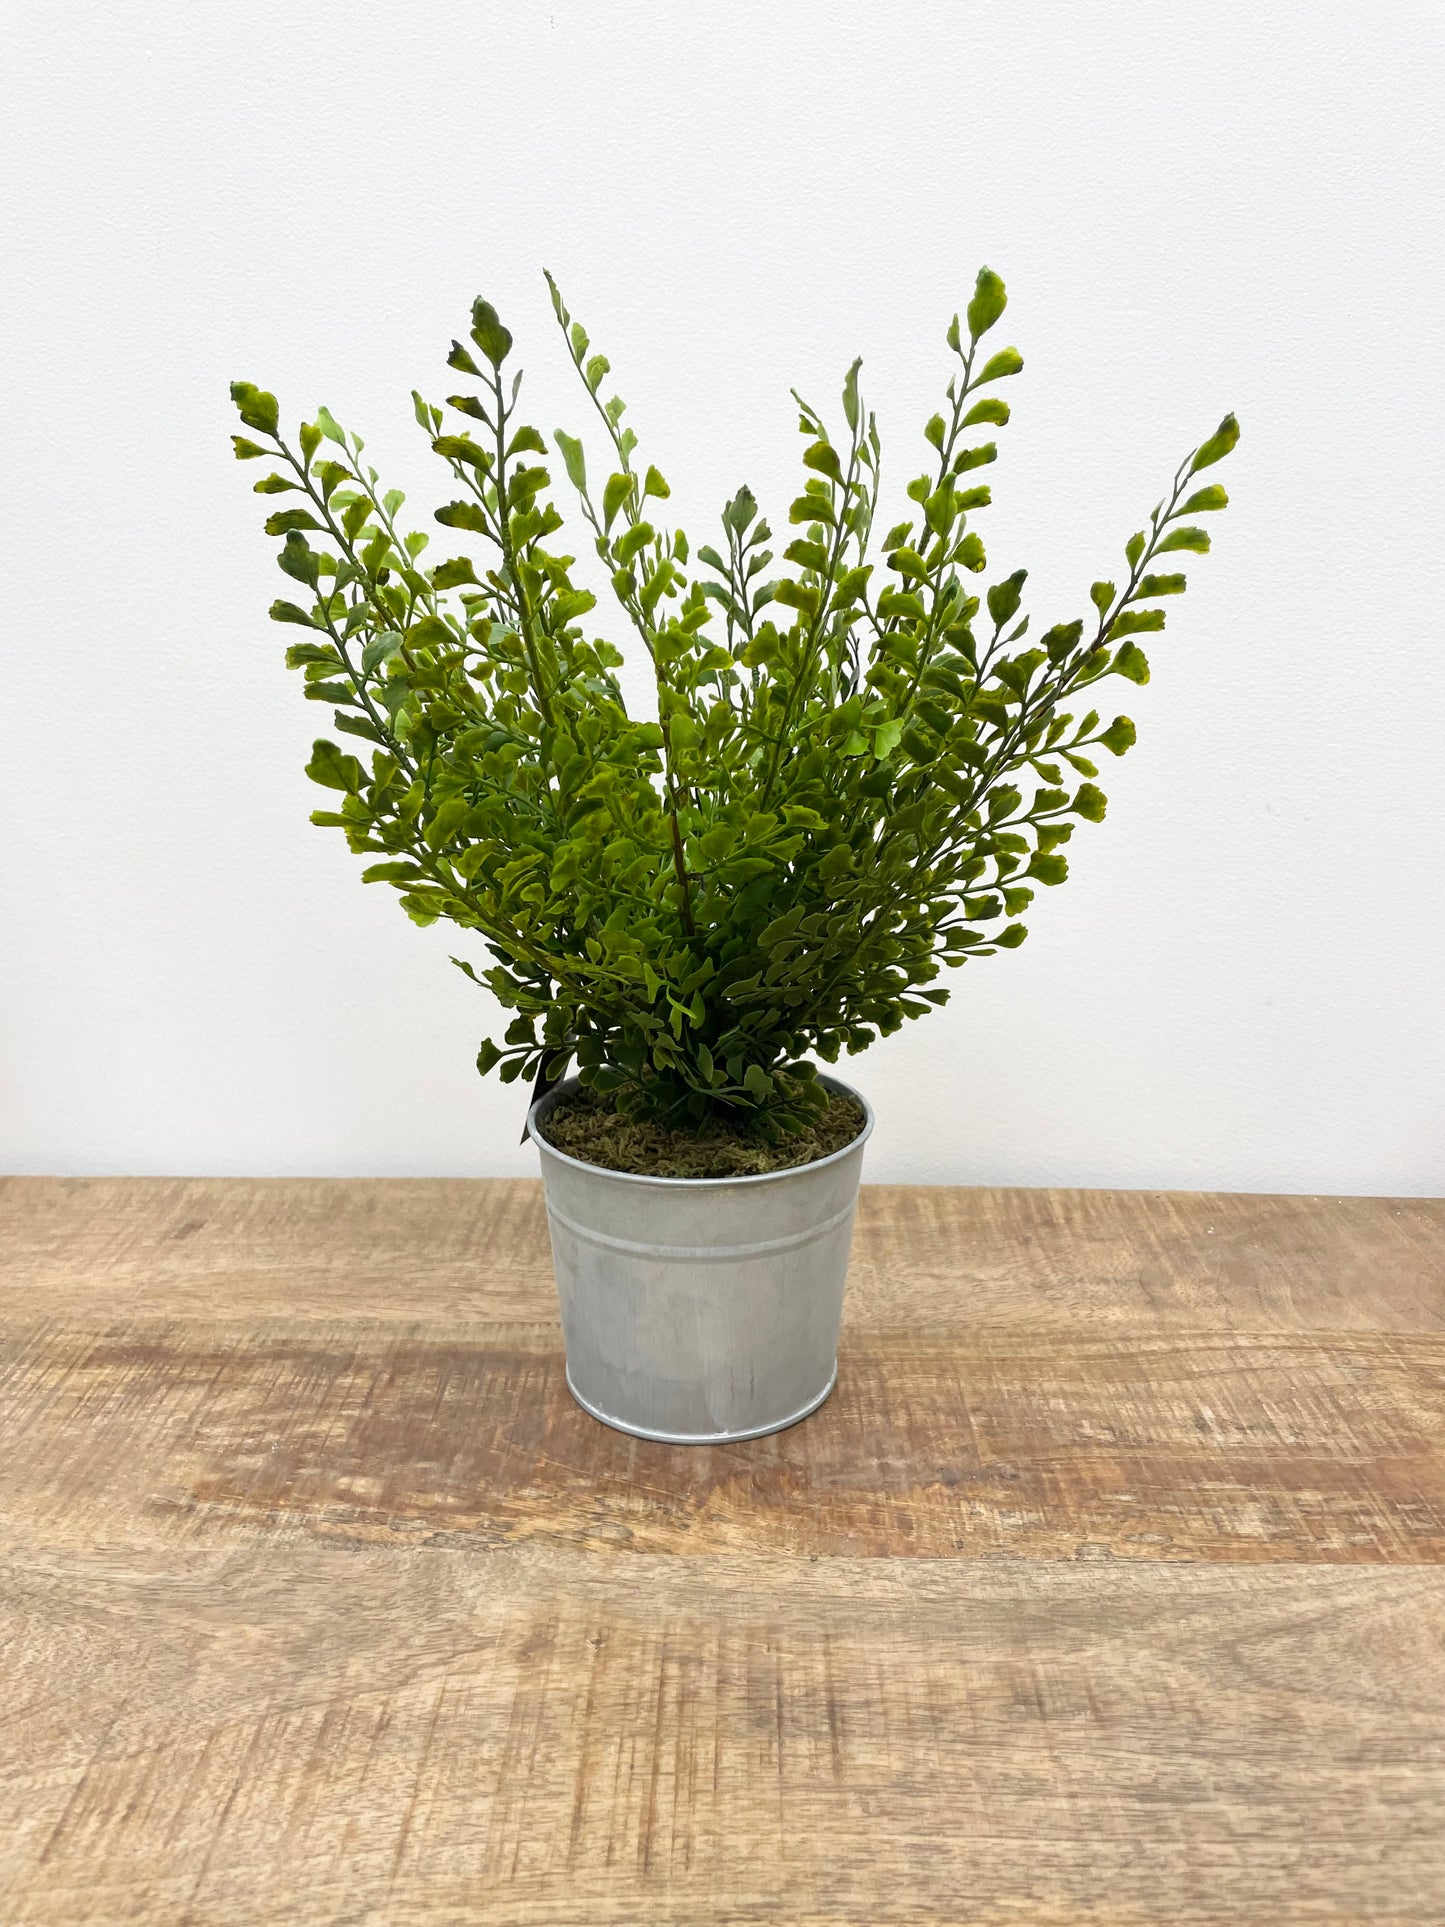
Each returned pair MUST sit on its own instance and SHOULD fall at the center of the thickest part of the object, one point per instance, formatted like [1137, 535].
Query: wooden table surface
[1106, 1589]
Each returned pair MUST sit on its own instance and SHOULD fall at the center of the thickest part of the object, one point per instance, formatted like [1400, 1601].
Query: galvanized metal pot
[697, 1310]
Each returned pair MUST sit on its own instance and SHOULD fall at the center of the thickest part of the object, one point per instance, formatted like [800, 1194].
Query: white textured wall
[1232, 206]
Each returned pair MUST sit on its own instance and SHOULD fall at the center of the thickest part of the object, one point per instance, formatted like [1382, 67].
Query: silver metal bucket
[696, 1310]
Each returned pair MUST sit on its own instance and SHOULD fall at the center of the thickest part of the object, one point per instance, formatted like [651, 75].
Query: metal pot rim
[568, 1084]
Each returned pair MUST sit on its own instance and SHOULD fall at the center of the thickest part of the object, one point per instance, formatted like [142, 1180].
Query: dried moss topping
[585, 1126]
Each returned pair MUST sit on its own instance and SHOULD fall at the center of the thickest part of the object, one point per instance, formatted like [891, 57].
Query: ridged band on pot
[697, 1310]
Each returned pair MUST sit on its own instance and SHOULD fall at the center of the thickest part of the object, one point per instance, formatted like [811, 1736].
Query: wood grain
[535, 1735]
[1109, 1588]
[933, 1258]
[1226, 1447]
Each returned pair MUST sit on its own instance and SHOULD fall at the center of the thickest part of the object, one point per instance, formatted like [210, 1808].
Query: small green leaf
[298, 560]
[657, 583]
[618, 488]
[490, 336]
[811, 508]
[989, 409]
[464, 515]
[935, 432]
[1203, 500]
[1131, 662]
[975, 457]
[1090, 803]
[1136, 622]
[1134, 548]
[1217, 447]
[823, 457]
[1119, 736]
[740, 511]
[1161, 585]
[358, 726]
[1007, 361]
[488, 1057]
[1004, 597]
[333, 770]
[379, 650]
[330, 427]
[940, 511]
[850, 394]
[988, 303]
[1047, 867]
[574, 456]
[654, 484]
[246, 451]
[284, 521]
[331, 475]
[1101, 594]
[568, 607]
[256, 408]
[1062, 639]
[633, 541]
[1195, 540]
[288, 612]
[852, 584]
[717, 842]
[893, 602]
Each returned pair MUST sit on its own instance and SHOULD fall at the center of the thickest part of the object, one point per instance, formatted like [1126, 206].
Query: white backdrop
[1233, 206]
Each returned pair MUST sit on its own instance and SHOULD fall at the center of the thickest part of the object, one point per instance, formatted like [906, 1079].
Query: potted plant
[854, 775]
